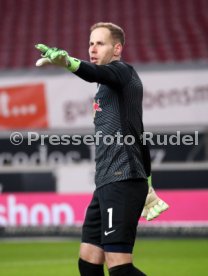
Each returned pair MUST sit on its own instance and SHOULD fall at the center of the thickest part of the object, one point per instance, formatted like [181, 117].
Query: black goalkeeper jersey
[118, 113]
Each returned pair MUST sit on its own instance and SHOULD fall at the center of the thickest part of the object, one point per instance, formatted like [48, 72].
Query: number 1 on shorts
[110, 217]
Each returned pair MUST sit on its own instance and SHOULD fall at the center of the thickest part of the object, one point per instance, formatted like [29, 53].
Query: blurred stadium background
[46, 186]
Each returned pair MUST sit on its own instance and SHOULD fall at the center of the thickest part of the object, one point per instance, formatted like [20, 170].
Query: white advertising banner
[70, 101]
[176, 98]
[75, 178]
[170, 98]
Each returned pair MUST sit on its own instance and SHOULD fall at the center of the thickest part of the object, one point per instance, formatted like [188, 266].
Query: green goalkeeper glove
[154, 205]
[57, 57]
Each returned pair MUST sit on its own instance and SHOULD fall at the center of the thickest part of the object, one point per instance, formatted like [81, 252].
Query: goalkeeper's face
[102, 48]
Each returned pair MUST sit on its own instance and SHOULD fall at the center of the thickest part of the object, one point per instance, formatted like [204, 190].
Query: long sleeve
[113, 74]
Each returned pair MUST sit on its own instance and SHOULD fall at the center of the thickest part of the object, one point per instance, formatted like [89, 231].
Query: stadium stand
[157, 30]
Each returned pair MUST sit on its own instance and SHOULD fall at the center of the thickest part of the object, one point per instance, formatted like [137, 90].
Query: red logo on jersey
[96, 106]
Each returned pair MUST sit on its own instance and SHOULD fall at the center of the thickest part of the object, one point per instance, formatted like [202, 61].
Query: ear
[117, 49]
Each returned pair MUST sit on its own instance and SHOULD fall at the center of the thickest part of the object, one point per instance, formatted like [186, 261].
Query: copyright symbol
[16, 138]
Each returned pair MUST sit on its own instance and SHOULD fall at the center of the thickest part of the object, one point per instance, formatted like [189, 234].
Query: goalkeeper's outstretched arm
[103, 74]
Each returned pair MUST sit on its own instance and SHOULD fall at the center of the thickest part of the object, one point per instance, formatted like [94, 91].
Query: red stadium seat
[156, 30]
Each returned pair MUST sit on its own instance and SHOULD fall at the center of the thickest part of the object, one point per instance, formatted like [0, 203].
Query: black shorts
[113, 214]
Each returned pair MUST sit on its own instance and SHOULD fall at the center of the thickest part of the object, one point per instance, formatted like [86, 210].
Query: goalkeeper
[122, 169]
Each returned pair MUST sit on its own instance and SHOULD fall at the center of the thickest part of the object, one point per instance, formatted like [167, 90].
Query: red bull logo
[96, 106]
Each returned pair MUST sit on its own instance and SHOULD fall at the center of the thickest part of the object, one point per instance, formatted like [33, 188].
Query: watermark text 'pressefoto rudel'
[176, 139]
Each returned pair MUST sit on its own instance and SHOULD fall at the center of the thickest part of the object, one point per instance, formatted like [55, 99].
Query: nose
[93, 49]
